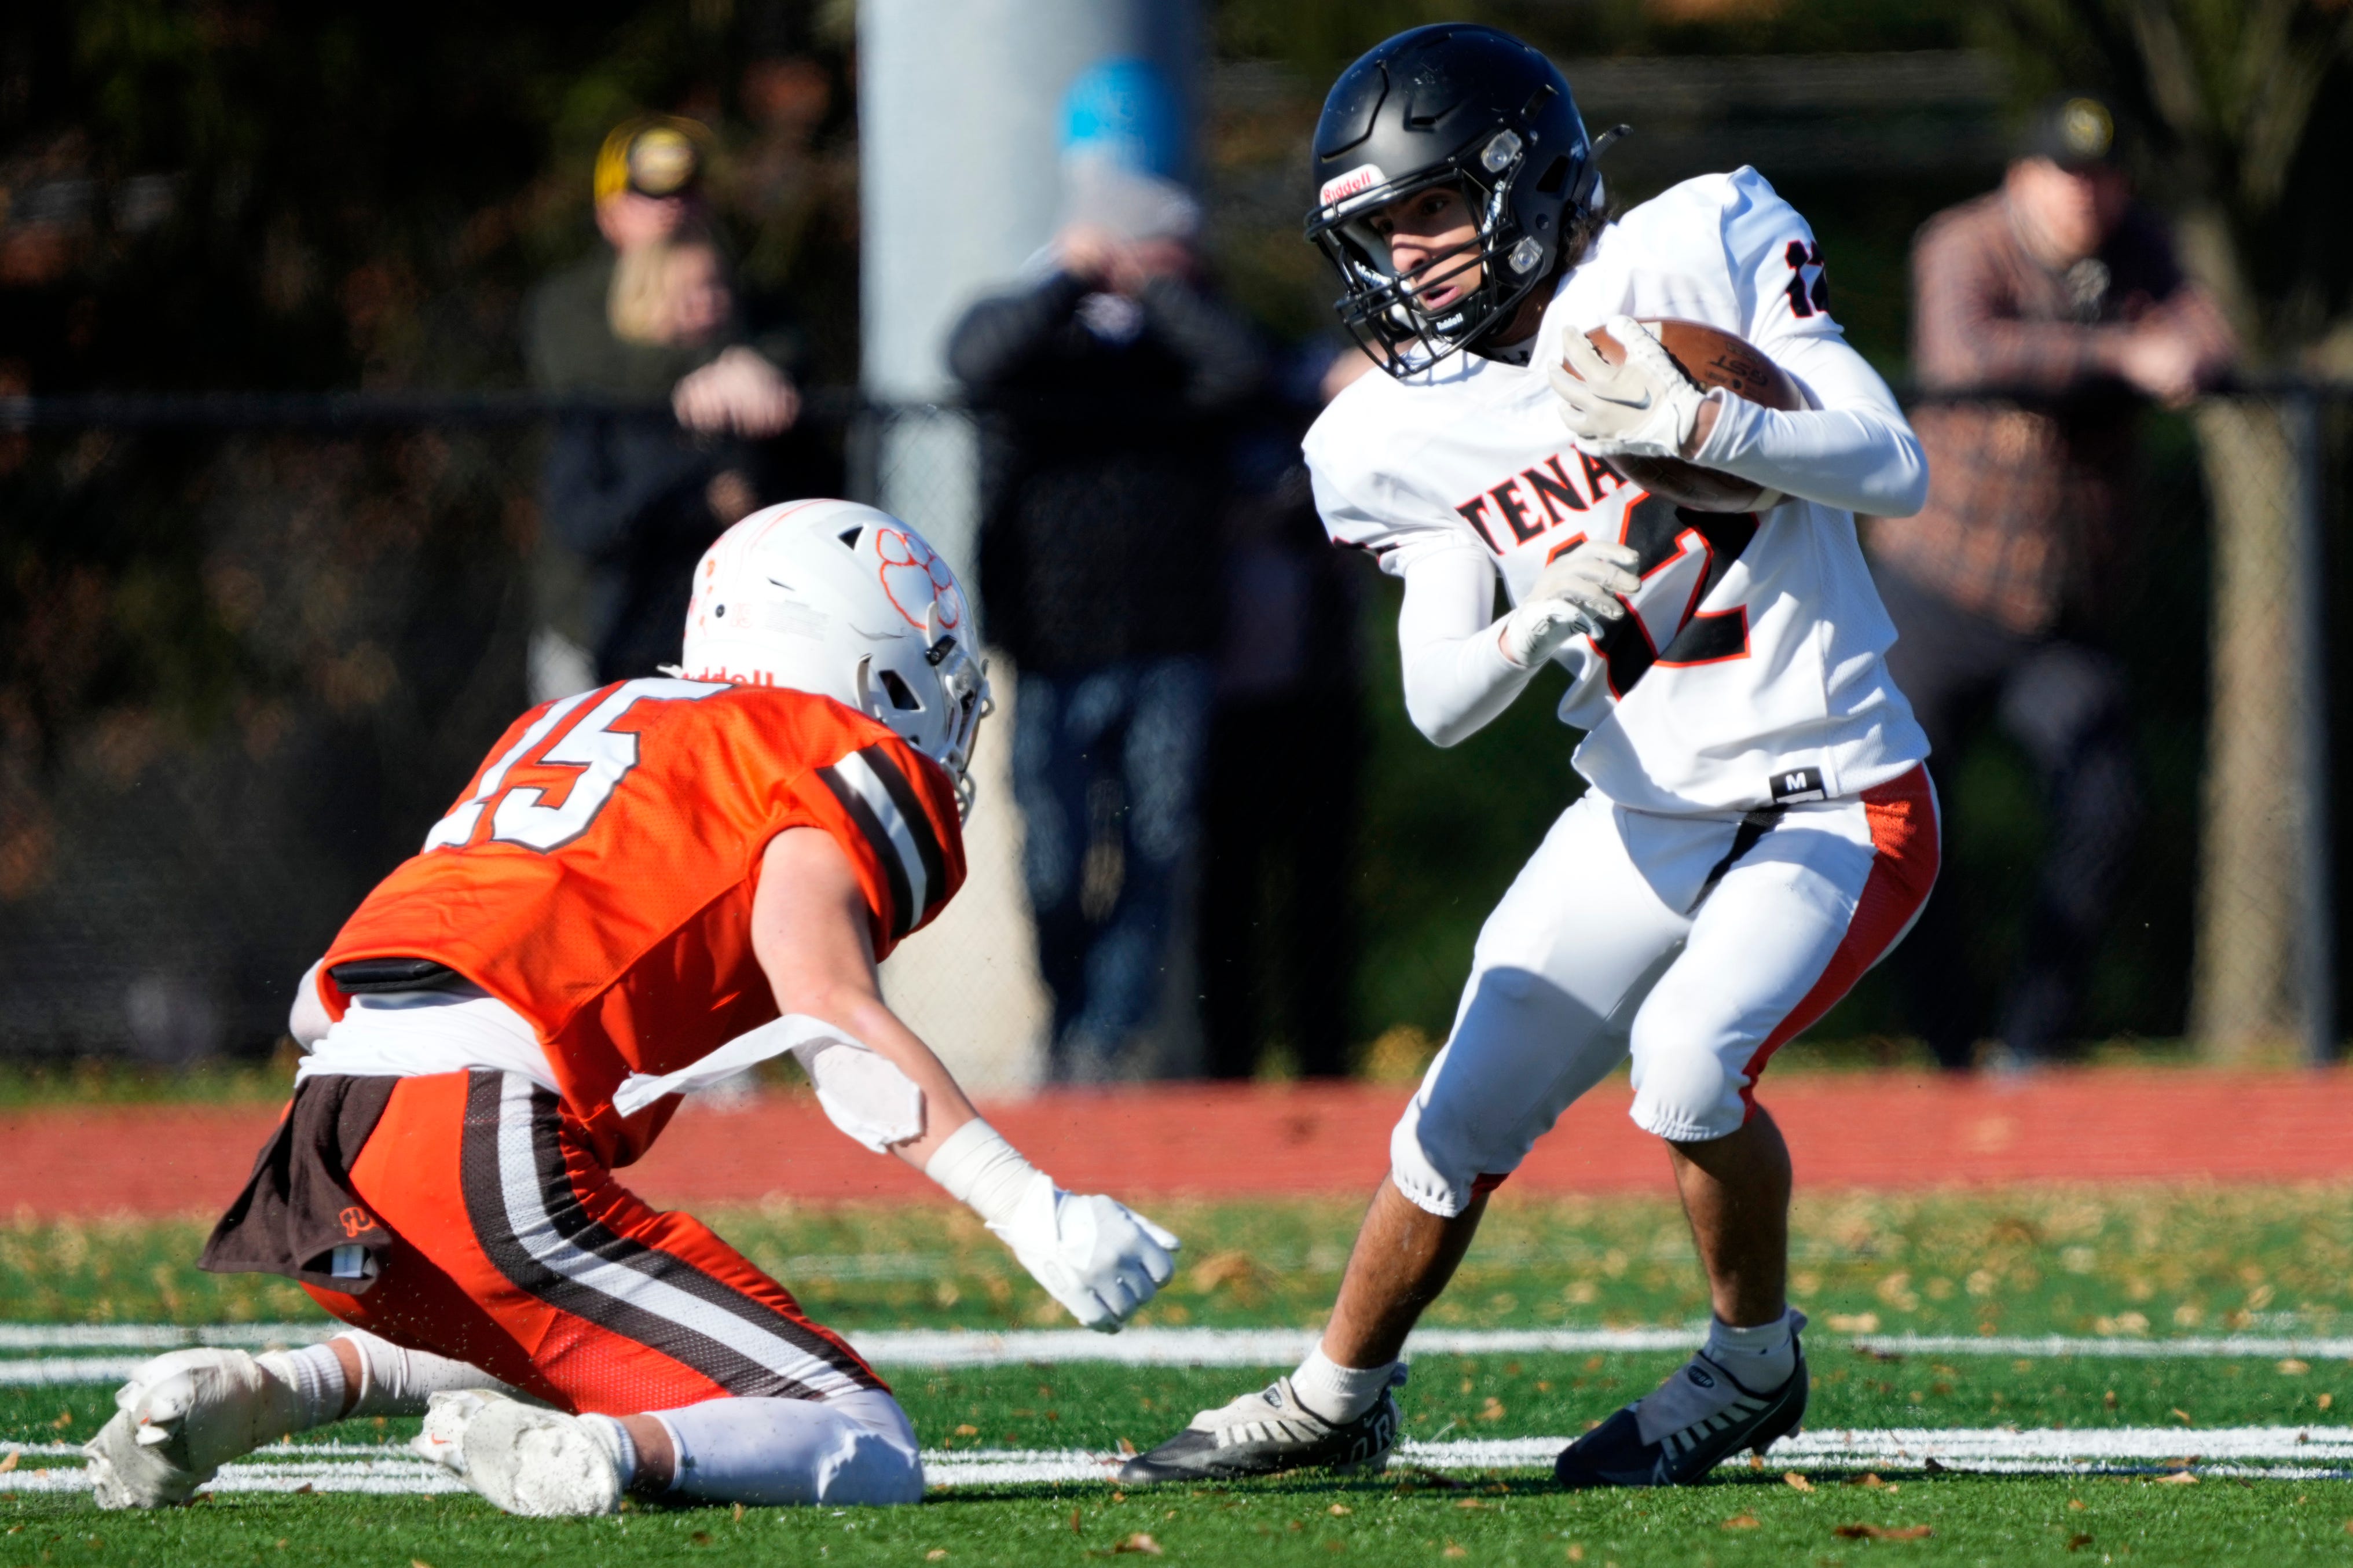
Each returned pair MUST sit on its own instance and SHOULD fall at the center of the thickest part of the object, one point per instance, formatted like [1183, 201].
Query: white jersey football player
[1759, 829]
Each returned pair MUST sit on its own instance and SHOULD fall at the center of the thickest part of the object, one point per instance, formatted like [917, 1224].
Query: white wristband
[978, 1168]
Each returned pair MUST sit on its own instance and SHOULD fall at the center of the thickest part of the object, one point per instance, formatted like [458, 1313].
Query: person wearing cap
[1106, 378]
[627, 502]
[2044, 313]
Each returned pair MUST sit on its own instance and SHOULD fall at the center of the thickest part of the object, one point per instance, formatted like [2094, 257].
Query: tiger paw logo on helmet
[843, 601]
[915, 579]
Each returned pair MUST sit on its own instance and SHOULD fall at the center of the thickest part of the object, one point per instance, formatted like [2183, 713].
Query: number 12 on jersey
[603, 756]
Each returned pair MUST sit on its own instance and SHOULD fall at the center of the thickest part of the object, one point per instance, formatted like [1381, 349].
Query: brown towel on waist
[298, 1209]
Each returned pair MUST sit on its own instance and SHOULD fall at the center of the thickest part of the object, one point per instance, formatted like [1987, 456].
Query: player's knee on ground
[856, 1452]
[1500, 1084]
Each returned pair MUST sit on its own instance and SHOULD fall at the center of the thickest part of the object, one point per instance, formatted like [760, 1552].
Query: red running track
[1863, 1130]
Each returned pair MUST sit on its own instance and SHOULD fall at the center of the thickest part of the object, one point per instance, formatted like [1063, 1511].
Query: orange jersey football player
[647, 887]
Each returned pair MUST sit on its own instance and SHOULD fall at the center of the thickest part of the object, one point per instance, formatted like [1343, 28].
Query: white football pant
[1697, 944]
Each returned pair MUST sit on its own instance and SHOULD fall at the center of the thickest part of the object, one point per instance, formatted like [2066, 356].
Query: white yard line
[2302, 1453]
[1154, 1347]
[2334, 1348]
[157, 1336]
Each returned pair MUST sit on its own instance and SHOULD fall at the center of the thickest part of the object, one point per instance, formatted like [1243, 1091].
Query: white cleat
[179, 1419]
[537, 1462]
[442, 1440]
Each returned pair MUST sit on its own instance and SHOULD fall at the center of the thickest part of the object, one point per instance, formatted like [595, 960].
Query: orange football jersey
[598, 874]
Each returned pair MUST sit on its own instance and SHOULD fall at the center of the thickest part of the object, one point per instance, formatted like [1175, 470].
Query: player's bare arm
[810, 932]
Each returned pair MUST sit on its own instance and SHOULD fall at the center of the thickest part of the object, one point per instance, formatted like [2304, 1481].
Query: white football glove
[1097, 1256]
[1643, 407]
[1577, 595]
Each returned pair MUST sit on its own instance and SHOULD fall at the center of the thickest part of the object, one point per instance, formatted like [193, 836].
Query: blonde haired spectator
[628, 503]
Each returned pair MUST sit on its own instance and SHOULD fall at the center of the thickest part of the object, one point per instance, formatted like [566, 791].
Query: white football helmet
[838, 599]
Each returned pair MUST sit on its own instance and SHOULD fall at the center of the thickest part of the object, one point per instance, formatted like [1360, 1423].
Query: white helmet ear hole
[848, 536]
[901, 695]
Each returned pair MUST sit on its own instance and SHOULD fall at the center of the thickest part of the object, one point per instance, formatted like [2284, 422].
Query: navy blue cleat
[1677, 1433]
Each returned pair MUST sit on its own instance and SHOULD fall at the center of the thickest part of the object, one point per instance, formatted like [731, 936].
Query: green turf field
[2111, 1267]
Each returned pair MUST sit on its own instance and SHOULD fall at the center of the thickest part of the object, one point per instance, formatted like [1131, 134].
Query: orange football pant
[515, 1249]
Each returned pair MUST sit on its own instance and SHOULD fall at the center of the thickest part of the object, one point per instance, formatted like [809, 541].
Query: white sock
[858, 1449]
[1338, 1393]
[618, 1442]
[1761, 1358]
[314, 1379]
[399, 1382]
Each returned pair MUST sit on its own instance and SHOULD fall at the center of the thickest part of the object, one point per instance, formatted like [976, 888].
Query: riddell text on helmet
[1363, 177]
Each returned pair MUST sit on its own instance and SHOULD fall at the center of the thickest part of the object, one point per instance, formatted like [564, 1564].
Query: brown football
[1712, 357]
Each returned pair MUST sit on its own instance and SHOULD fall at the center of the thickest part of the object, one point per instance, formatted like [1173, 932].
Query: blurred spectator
[1279, 807]
[2060, 288]
[1105, 379]
[628, 503]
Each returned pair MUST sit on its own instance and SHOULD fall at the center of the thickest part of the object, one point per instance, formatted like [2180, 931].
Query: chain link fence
[253, 650]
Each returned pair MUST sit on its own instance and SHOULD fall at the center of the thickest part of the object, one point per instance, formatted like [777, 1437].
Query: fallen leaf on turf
[1453, 1551]
[64, 1420]
[418, 1563]
[1756, 1461]
[701, 1538]
[1075, 1521]
[305, 1489]
[2294, 1368]
[739, 1513]
[1868, 1478]
[1932, 1467]
[2184, 1415]
[2177, 1478]
[967, 1430]
[2076, 1503]
[10, 1462]
[2325, 1400]
[1883, 1533]
[1139, 1542]
[1341, 1510]
[1796, 1481]
[936, 1555]
[2077, 1543]
[1741, 1521]
[1126, 1450]
[1854, 1322]
[1576, 1552]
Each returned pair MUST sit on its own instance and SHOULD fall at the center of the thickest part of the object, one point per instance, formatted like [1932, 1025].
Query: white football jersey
[1750, 668]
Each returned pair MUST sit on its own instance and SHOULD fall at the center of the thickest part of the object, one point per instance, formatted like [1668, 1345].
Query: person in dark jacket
[629, 501]
[1106, 383]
